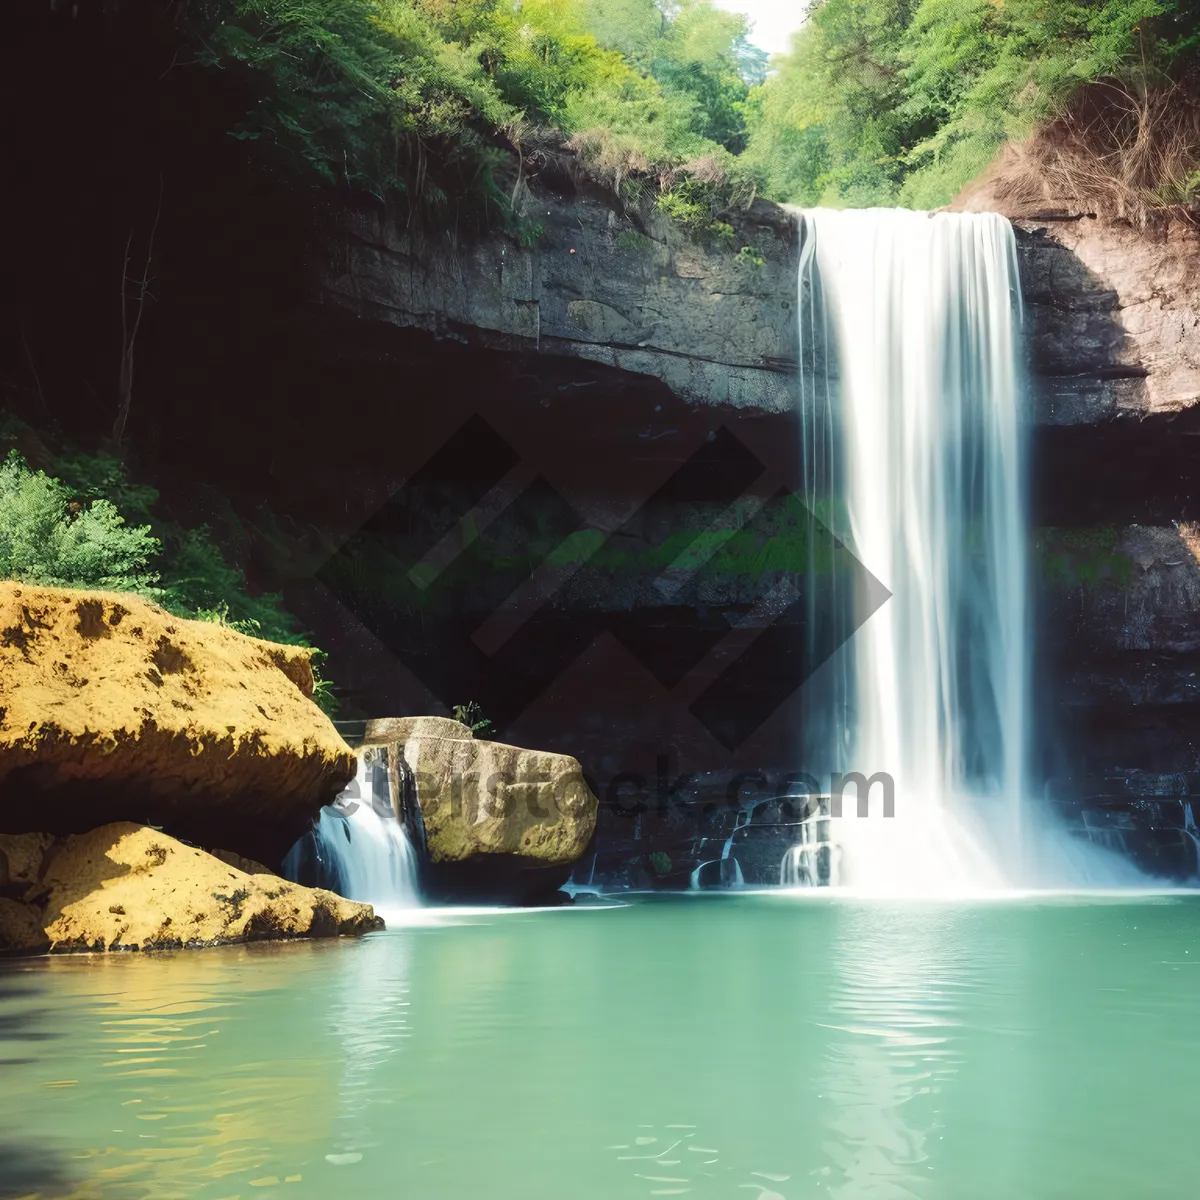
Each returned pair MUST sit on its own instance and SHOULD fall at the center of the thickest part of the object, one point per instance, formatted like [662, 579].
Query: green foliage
[683, 210]
[220, 616]
[704, 57]
[323, 694]
[357, 91]
[91, 526]
[1183, 191]
[469, 714]
[748, 256]
[904, 101]
[425, 98]
[48, 537]
[196, 577]
[660, 862]
[695, 205]
[630, 239]
[1074, 557]
[879, 101]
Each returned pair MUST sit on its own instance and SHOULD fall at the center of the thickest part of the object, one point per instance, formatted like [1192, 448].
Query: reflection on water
[25, 1167]
[176, 1073]
[771, 1048]
[903, 983]
[369, 1017]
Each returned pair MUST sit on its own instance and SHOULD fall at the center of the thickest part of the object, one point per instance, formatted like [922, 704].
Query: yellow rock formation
[112, 709]
[128, 887]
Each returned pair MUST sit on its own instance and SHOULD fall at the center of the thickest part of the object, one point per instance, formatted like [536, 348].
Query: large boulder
[500, 822]
[112, 709]
[127, 887]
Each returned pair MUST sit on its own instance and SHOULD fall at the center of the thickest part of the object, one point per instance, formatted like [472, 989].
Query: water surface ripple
[766, 1046]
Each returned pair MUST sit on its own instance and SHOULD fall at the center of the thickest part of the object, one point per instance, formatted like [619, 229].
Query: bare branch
[128, 334]
[33, 370]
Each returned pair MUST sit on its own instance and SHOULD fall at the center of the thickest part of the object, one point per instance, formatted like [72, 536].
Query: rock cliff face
[1114, 311]
[714, 321]
[1114, 321]
[1114, 318]
[1119, 681]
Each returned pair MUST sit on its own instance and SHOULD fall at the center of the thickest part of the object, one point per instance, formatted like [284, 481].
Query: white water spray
[364, 851]
[920, 318]
[814, 859]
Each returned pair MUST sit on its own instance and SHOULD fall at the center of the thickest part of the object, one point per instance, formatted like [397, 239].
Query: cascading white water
[922, 315]
[363, 851]
[372, 855]
[913, 437]
[813, 859]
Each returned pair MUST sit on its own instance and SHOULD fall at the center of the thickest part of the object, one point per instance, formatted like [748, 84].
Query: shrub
[49, 537]
[471, 716]
[73, 532]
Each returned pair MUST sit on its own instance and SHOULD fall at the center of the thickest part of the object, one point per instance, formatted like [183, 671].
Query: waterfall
[914, 449]
[922, 314]
[361, 850]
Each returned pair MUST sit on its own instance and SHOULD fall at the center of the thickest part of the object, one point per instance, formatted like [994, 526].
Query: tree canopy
[878, 101]
[410, 96]
[904, 101]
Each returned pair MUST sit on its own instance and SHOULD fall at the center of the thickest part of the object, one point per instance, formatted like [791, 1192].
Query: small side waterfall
[362, 850]
[812, 861]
